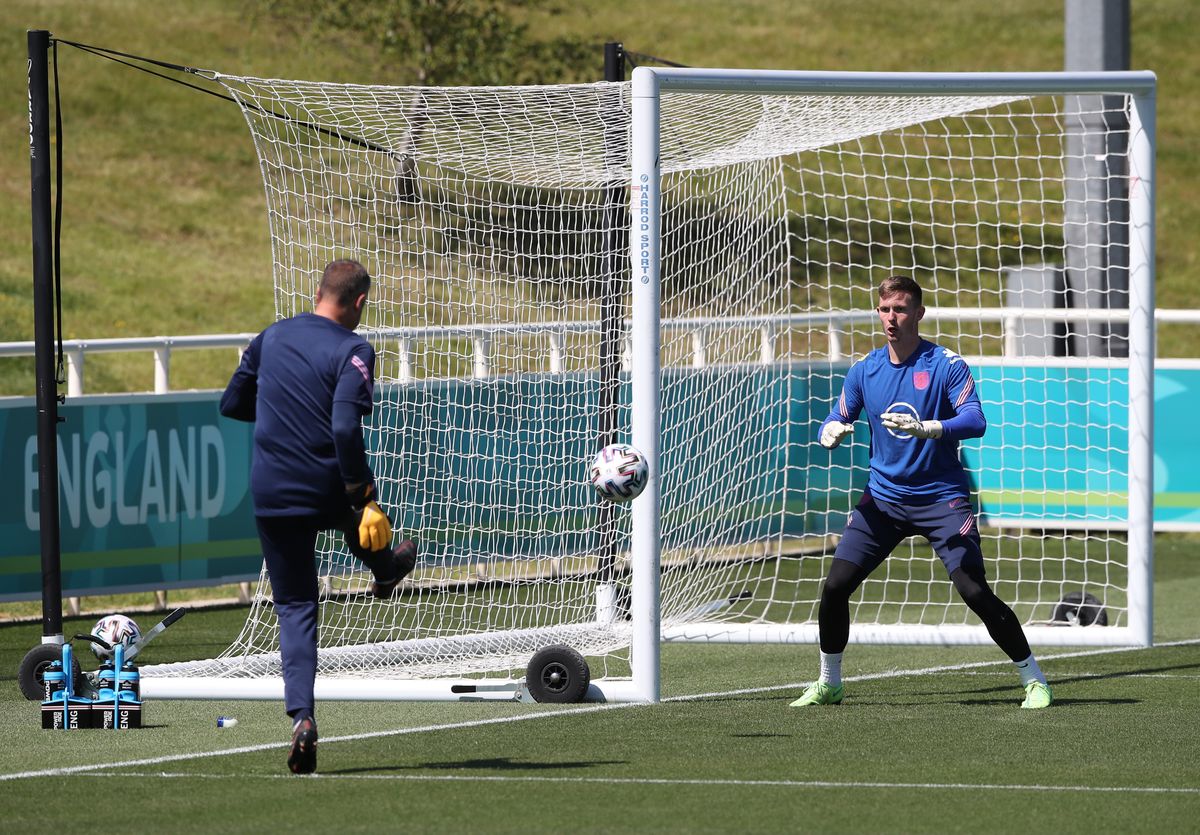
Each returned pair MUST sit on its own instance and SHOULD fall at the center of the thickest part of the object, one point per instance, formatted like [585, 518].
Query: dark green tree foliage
[436, 43]
[448, 42]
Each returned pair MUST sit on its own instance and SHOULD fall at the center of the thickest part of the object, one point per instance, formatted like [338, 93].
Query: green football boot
[1037, 696]
[820, 693]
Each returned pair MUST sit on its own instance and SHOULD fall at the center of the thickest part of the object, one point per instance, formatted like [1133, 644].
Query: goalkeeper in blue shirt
[920, 401]
[306, 383]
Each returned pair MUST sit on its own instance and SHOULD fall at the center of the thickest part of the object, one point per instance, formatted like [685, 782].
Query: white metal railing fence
[1013, 327]
[76, 349]
[1013, 321]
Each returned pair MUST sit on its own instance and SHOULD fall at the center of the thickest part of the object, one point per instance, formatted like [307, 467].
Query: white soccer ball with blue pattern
[619, 473]
[113, 630]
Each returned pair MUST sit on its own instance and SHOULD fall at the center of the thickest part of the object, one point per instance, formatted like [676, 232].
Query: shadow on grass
[760, 736]
[1012, 698]
[1007, 695]
[765, 698]
[1058, 702]
[491, 764]
[1145, 671]
[1011, 690]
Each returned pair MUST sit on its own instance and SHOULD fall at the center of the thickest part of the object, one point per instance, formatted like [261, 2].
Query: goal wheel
[34, 664]
[1079, 608]
[557, 674]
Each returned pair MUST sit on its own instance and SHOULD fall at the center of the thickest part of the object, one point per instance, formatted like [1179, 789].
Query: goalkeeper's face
[900, 314]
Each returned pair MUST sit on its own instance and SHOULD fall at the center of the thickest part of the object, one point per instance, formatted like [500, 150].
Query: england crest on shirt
[920, 380]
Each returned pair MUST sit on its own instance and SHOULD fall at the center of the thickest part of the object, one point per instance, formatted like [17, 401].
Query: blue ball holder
[117, 704]
[62, 709]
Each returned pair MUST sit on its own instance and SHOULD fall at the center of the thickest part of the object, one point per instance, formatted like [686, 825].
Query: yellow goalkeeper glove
[374, 526]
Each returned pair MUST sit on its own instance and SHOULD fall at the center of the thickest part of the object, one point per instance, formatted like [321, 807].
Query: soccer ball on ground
[113, 630]
[619, 473]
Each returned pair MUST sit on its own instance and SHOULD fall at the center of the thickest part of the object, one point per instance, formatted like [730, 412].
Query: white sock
[831, 668]
[1030, 671]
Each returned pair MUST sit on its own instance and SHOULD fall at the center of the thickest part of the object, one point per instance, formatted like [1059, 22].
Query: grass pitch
[928, 739]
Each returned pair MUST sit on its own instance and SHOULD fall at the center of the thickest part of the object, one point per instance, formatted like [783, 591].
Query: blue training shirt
[934, 383]
[306, 382]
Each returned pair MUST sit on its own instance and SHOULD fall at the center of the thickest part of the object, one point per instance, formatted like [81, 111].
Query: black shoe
[302, 759]
[404, 560]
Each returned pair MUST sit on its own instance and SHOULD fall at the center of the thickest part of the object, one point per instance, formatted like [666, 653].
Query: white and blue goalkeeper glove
[374, 526]
[906, 423]
[833, 432]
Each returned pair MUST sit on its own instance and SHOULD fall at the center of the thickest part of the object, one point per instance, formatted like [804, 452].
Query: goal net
[497, 225]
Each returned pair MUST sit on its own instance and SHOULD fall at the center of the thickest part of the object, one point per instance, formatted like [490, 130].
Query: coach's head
[343, 292]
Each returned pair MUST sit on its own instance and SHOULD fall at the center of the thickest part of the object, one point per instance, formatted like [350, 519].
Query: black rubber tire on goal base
[35, 662]
[558, 674]
[1079, 608]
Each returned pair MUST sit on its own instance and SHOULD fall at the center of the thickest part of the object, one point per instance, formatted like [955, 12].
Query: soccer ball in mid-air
[113, 630]
[619, 472]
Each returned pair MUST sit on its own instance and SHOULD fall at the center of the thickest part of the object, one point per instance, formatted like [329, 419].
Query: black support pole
[614, 61]
[43, 334]
[611, 306]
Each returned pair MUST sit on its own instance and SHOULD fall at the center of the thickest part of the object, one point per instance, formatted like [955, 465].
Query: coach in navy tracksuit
[920, 401]
[306, 383]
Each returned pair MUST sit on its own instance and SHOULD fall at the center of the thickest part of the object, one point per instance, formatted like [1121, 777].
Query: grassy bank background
[164, 228]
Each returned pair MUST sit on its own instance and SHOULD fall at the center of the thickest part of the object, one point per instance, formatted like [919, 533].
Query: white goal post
[687, 262]
[650, 85]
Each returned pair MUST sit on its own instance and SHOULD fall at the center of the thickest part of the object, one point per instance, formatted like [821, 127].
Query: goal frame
[645, 202]
[645, 238]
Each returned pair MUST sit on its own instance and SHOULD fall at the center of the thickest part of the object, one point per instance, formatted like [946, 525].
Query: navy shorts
[876, 527]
